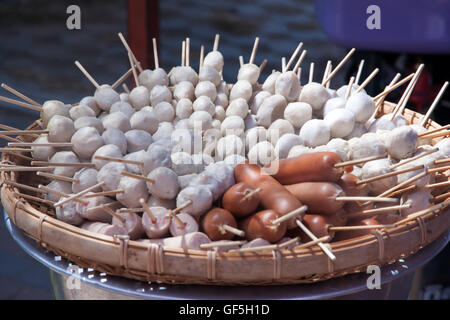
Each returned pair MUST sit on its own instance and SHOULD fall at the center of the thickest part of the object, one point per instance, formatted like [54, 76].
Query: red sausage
[320, 197]
[273, 195]
[234, 200]
[318, 225]
[310, 167]
[213, 221]
[259, 225]
[344, 235]
[348, 183]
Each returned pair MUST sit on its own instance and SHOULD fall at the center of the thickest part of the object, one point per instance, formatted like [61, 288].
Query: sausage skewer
[290, 215]
[314, 238]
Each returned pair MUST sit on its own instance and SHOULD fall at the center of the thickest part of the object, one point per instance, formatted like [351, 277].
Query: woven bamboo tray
[132, 259]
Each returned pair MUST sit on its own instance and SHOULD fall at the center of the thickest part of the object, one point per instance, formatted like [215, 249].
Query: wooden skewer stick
[113, 213]
[105, 193]
[23, 186]
[358, 198]
[125, 88]
[434, 104]
[50, 144]
[122, 78]
[188, 51]
[57, 177]
[216, 42]
[389, 174]
[314, 238]
[180, 222]
[23, 132]
[15, 150]
[439, 169]
[382, 96]
[438, 184]
[267, 247]
[59, 193]
[155, 53]
[62, 164]
[399, 164]
[136, 176]
[202, 57]
[226, 228]
[37, 199]
[299, 61]
[327, 70]
[135, 210]
[311, 72]
[366, 82]
[401, 191]
[136, 79]
[349, 88]
[9, 138]
[378, 211]
[241, 61]
[294, 55]
[313, 242]
[438, 134]
[20, 95]
[79, 194]
[137, 163]
[255, 48]
[393, 85]
[424, 134]
[222, 243]
[328, 73]
[262, 66]
[147, 210]
[251, 194]
[339, 66]
[183, 53]
[348, 228]
[5, 127]
[403, 184]
[90, 78]
[290, 215]
[24, 169]
[100, 207]
[299, 74]
[18, 155]
[441, 196]
[283, 64]
[358, 74]
[417, 214]
[21, 104]
[178, 209]
[408, 92]
[358, 161]
[439, 161]
[127, 47]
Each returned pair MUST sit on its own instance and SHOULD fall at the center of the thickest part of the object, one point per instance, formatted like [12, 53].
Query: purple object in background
[419, 26]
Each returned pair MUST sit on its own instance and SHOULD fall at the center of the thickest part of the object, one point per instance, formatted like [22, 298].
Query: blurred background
[37, 55]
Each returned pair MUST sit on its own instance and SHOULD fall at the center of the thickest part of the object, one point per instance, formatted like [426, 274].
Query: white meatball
[279, 128]
[184, 90]
[262, 153]
[184, 108]
[190, 226]
[165, 185]
[86, 141]
[241, 89]
[204, 103]
[200, 120]
[214, 59]
[133, 191]
[230, 144]
[249, 72]
[341, 122]
[201, 160]
[367, 145]
[105, 97]
[144, 120]
[254, 136]
[154, 201]
[160, 94]
[219, 113]
[125, 97]
[444, 146]
[91, 103]
[361, 105]
[89, 122]
[315, 95]
[238, 107]
[375, 168]
[123, 107]
[187, 140]
[332, 104]
[183, 74]
[210, 138]
[234, 159]
[342, 91]
[81, 111]
[87, 177]
[200, 196]
[419, 200]
[221, 100]
[51, 108]
[60, 129]
[223, 87]
[315, 132]
[209, 73]
[164, 131]
[182, 124]
[286, 143]
[98, 214]
[358, 130]
[60, 186]
[65, 157]
[288, 85]
[151, 78]
[155, 157]
[232, 125]
[299, 150]
[116, 137]
[401, 142]
[117, 120]
[138, 140]
[382, 123]
[258, 100]
[250, 121]
[164, 112]
[139, 97]
[108, 150]
[110, 174]
[419, 129]
[68, 213]
[339, 146]
[269, 84]
[182, 163]
[297, 113]
[271, 109]
[209, 180]
[206, 88]
[42, 153]
[223, 172]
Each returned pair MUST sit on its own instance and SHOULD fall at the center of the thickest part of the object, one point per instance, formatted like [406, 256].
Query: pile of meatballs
[171, 144]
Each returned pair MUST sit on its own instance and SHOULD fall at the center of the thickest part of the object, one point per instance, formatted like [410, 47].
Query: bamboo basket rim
[141, 261]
